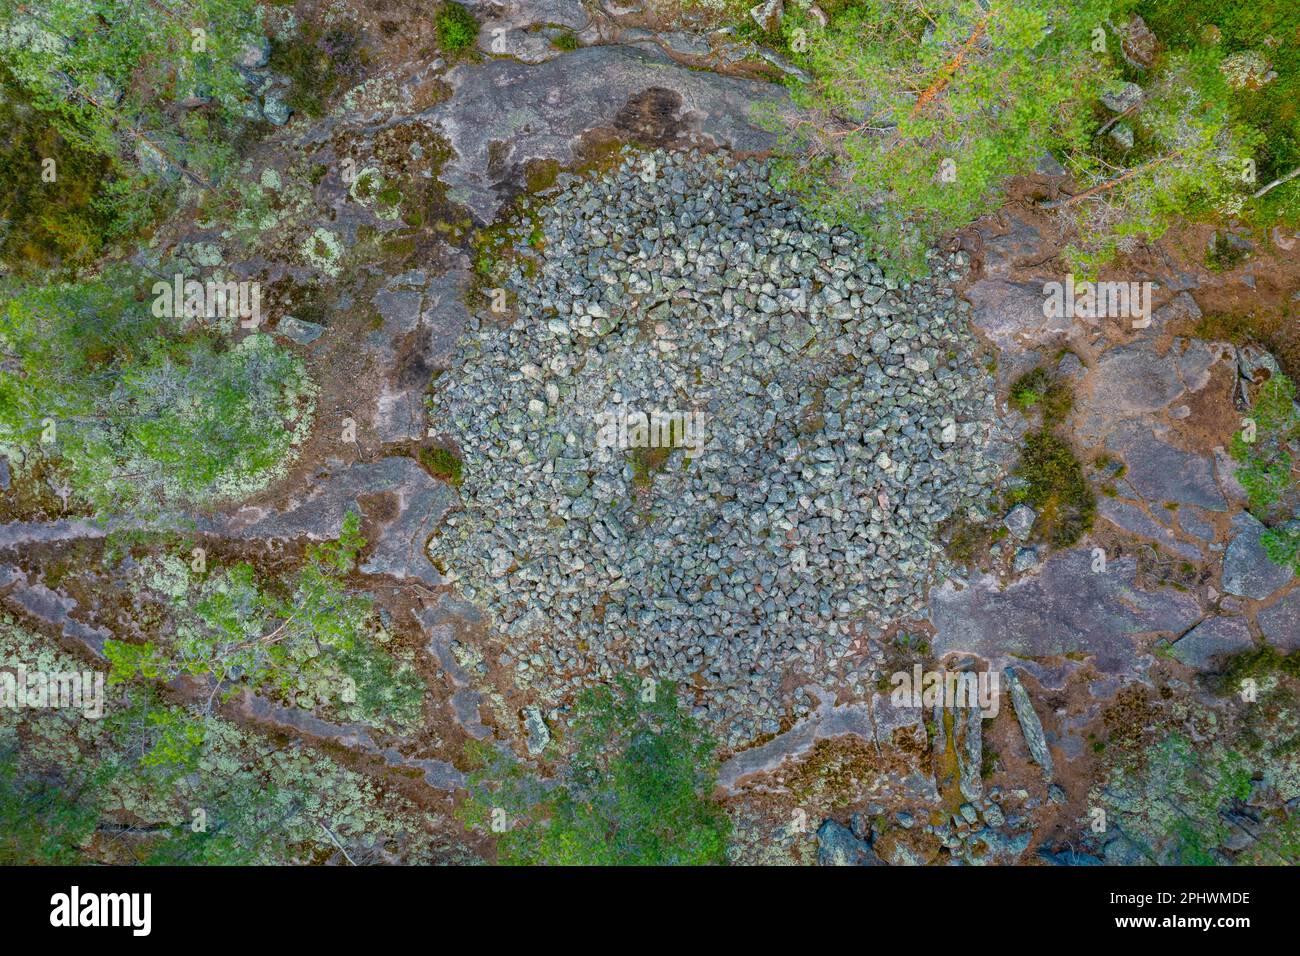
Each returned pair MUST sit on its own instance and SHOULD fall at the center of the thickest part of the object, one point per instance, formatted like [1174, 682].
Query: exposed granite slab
[1063, 609]
[1247, 569]
[1211, 640]
[1136, 521]
[1160, 472]
[503, 113]
[1280, 622]
[396, 494]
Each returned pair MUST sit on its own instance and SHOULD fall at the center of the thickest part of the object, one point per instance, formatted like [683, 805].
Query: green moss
[1057, 489]
[541, 174]
[59, 225]
[1265, 464]
[1223, 255]
[456, 28]
[442, 463]
[967, 540]
[646, 463]
[566, 40]
[1041, 390]
[1258, 663]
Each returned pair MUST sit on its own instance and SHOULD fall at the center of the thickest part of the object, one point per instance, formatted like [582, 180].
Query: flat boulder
[1247, 569]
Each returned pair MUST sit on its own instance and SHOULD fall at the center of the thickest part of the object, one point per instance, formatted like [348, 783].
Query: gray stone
[1030, 725]
[1247, 569]
[1020, 521]
[837, 846]
[276, 110]
[1025, 559]
[296, 330]
[1065, 608]
[1122, 99]
[1131, 380]
[1210, 641]
[255, 54]
[405, 502]
[1280, 622]
[768, 14]
[1121, 134]
[503, 113]
[1138, 522]
[1160, 472]
[539, 735]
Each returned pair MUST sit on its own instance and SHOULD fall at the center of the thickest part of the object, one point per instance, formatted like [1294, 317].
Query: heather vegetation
[918, 115]
[119, 408]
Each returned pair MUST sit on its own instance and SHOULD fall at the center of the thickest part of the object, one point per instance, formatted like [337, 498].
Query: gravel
[842, 418]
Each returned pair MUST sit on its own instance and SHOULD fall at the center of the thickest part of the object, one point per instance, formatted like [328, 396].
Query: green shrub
[1265, 464]
[319, 64]
[304, 641]
[456, 28]
[134, 412]
[442, 463]
[108, 90]
[1042, 390]
[919, 112]
[636, 791]
[44, 818]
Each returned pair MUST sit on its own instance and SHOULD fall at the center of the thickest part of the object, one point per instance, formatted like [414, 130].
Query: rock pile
[838, 421]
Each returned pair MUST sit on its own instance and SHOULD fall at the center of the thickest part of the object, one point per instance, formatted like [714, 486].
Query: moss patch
[1041, 391]
[456, 28]
[1057, 489]
[442, 463]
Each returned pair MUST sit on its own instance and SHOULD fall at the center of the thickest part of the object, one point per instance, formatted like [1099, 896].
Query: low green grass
[456, 28]
[442, 463]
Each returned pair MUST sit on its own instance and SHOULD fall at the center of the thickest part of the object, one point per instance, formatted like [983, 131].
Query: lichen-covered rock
[1030, 725]
[1211, 641]
[837, 846]
[1247, 569]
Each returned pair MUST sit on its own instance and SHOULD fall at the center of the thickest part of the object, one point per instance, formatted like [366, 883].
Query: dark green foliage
[1042, 391]
[305, 641]
[1239, 29]
[566, 40]
[1282, 544]
[319, 64]
[49, 225]
[1267, 462]
[144, 414]
[456, 27]
[442, 463]
[919, 112]
[1057, 489]
[243, 825]
[637, 789]
[1262, 661]
[44, 818]
[127, 101]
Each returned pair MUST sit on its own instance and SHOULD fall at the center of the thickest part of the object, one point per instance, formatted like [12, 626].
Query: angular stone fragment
[1211, 641]
[1247, 569]
[1030, 725]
